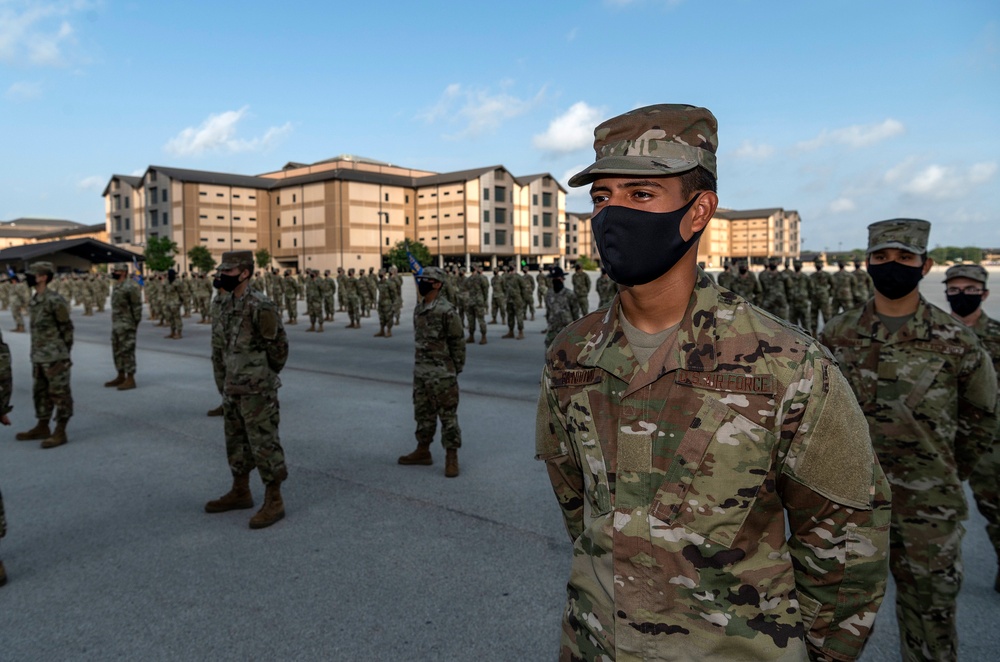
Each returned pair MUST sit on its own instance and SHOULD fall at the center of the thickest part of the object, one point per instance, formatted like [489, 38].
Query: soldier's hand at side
[5, 420]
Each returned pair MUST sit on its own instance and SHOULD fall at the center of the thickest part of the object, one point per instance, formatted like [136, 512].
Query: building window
[236, 195]
[202, 193]
[295, 220]
[387, 197]
[486, 216]
[534, 241]
[387, 241]
[127, 201]
[546, 199]
[163, 198]
[152, 175]
[127, 224]
[236, 241]
[486, 194]
[294, 198]
[547, 219]
[165, 219]
[486, 238]
[219, 195]
[501, 237]
[279, 243]
[220, 240]
[118, 202]
[253, 241]
[500, 194]
[501, 215]
[547, 240]
[534, 199]
[407, 220]
[295, 242]
[118, 223]
[407, 198]
[534, 220]
[252, 197]
[203, 216]
[205, 239]
[220, 217]
[154, 218]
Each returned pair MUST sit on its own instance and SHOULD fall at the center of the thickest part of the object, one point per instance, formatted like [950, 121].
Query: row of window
[221, 217]
[236, 240]
[500, 215]
[218, 195]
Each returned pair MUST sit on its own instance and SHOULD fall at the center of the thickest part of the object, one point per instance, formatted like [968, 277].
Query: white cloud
[749, 150]
[842, 205]
[856, 136]
[571, 131]
[938, 182]
[24, 91]
[218, 133]
[477, 111]
[92, 183]
[38, 33]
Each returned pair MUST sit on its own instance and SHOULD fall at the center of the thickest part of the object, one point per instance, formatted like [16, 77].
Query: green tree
[586, 263]
[263, 257]
[201, 259]
[160, 252]
[397, 255]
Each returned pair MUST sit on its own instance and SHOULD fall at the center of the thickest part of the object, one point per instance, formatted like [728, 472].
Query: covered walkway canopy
[66, 254]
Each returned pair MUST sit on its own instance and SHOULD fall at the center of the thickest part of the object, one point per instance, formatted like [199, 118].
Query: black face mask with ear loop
[894, 280]
[636, 246]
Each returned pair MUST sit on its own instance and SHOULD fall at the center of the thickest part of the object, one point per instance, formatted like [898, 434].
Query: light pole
[381, 260]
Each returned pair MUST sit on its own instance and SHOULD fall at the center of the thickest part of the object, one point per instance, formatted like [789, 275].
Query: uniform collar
[919, 327]
[692, 347]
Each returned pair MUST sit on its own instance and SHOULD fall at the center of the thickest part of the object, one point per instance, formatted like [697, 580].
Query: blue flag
[138, 274]
[414, 265]
[10, 272]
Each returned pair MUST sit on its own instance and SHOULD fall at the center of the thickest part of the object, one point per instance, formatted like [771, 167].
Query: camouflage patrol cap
[970, 271]
[909, 234]
[234, 259]
[665, 139]
[432, 273]
[41, 268]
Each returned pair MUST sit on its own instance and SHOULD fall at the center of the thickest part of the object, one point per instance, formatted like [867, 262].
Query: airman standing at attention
[606, 289]
[440, 357]
[561, 305]
[20, 294]
[126, 313]
[477, 293]
[253, 351]
[386, 304]
[352, 290]
[581, 288]
[314, 300]
[774, 297]
[684, 432]
[798, 298]
[51, 342]
[821, 296]
[542, 282]
[746, 284]
[6, 389]
[513, 295]
[290, 289]
[965, 287]
[929, 391]
[328, 287]
[397, 281]
[863, 289]
[726, 276]
[172, 305]
[498, 299]
[529, 288]
[341, 292]
[843, 289]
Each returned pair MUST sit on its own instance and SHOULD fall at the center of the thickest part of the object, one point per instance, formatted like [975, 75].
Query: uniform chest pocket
[582, 428]
[720, 467]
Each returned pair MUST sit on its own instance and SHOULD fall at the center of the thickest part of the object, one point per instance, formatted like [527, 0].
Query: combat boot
[520, 334]
[215, 412]
[19, 329]
[388, 332]
[128, 384]
[3, 574]
[58, 437]
[422, 455]
[320, 329]
[482, 341]
[451, 462]
[178, 336]
[312, 328]
[509, 334]
[40, 431]
[116, 381]
[493, 321]
[471, 338]
[381, 332]
[273, 509]
[238, 497]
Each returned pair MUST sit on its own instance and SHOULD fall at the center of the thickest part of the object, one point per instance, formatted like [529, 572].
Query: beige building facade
[342, 212]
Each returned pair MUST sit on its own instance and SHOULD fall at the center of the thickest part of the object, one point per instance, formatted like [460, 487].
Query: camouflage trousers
[354, 308]
[584, 300]
[51, 390]
[329, 305]
[824, 306]
[499, 306]
[17, 312]
[925, 557]
[123, 348]
[777, 307]
[386, 315]
[434, 398]
[3, 519]
[841, 304]
[799, 312]
[529, 307]
[515, 314]
[985, 482]
[397, 309]
[292, 307]
[315, 310]
[342, 299]
[251, 425]
[476, 312]
[172, 316]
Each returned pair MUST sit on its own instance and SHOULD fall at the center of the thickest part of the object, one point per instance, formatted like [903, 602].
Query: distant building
[22, 231]
[342, 212]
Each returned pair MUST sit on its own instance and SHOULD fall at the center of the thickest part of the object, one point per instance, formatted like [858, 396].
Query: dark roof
[83, 229]
[29, 221]
[128, 179]
[527, 179]
[457, 176]
[89, 249]
[218, 178]
[733, 214]
[6, 231]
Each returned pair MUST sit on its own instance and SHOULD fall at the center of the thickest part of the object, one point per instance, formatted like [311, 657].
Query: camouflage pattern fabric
[542, 286]
[748, 287]
[499, 300]
[677, 479]
[314, 299]
[397, 281]
[172, 306]
[439, 341]
[477, 293]
[19, 297]
[606, 291]
[249, 350]
[352, 290]
[561, 308]
[862, 288]
[843, 291]
[341, 292]
[51, 328]
[528, 292]
[929, 393]
[290, 290]
[218, 341]
[50, 390]
[985, 478]
[821, 298]
[774, 296]
[126, 313]
[386, 302]
[581, 288]
[511, 284]
[726, 278]
[799, 305]
[328, 287]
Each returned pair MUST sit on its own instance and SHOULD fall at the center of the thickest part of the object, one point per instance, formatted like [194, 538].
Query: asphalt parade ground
[110, 555]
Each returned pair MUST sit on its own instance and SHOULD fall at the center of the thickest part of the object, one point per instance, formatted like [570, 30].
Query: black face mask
[30, 279]
[558, 285]
[637, 247]
[963, 304]
[217, 282]
[743, 270]
[894, 280]
[229, 283]
[425, 287]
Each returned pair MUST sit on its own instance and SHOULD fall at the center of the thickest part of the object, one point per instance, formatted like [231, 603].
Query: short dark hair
[698, 179]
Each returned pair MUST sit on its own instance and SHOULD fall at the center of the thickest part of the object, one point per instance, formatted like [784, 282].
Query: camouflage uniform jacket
[581, 283]
[511, 284]
[677, 478]
[929, 393]
[496, 282]
[561, 308]
[799, 287]
[439, 338]
[387, 297]
[862, 288]
[172, 295]
[51, 328]
[254, 346]
[314, 290]
[843, 285]
[218, 341]
[822, 284]
[606, 289]
[477, 290]
[6, 381]
[126, 305]
[988, 331]
[726, 278]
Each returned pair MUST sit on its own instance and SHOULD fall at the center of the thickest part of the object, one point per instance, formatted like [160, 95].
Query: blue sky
[849, 112]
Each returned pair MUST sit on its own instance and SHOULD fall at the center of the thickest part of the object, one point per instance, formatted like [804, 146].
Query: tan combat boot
[215, 412]
[40, 431]
[116, 381]
[451, 462]
[19, 329]
[273, 509]
[520, 334]
[482, 341]
[58, 437]
[312, 328]
[237, 498]
[422, 455]
[320, 329]
[471, 338]
[388, 332]
[381, 332]
[128, 384]
[509, 334]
